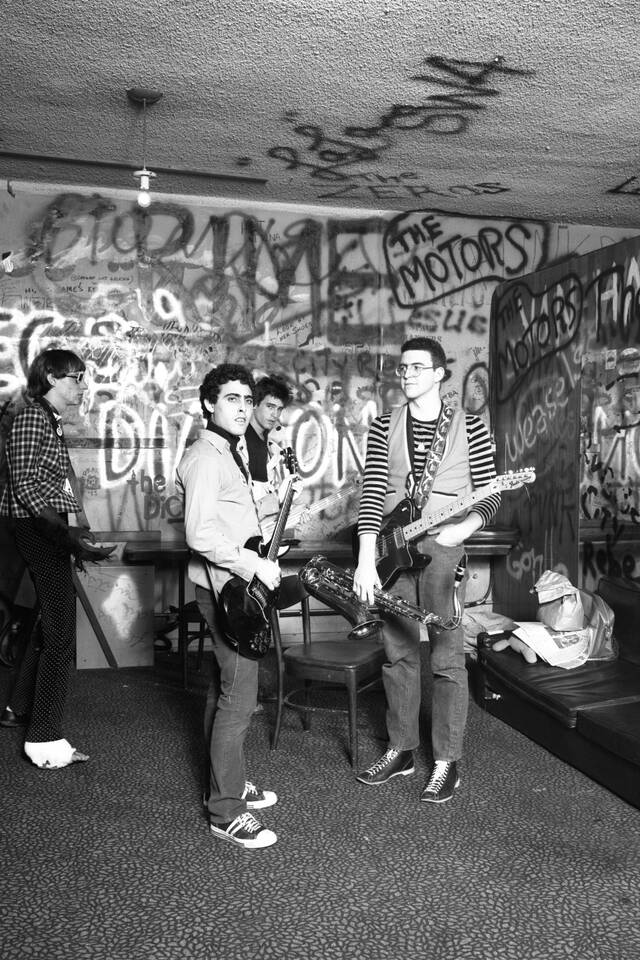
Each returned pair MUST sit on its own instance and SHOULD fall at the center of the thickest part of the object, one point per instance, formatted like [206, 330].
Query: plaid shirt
[39, 467]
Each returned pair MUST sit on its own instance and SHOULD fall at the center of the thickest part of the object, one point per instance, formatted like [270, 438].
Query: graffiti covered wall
[566, 381]
[153, 298]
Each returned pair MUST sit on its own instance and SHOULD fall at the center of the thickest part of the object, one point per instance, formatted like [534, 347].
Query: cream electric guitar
[299, 515]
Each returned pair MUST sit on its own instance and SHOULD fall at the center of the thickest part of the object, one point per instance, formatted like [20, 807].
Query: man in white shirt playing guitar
[220, 519]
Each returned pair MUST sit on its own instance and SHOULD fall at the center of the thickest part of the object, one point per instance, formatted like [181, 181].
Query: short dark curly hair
[223, 373]
[272, 387]
[438, 356]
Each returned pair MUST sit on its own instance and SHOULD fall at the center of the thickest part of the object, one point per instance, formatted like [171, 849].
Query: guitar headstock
[289, 459]
[516, 478]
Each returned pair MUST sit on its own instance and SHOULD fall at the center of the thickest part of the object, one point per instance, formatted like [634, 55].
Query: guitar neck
[316, 507]
[414, 529]
[281, 523]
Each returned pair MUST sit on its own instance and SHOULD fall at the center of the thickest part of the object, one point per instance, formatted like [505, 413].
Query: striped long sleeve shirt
[481, 465]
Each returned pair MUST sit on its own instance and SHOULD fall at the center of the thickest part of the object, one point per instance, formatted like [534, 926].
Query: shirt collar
[231, 438]
[220, 442]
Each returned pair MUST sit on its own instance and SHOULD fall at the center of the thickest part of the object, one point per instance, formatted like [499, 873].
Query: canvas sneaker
[393, 763]
[443, 781]
[245, 831]
[258, 799]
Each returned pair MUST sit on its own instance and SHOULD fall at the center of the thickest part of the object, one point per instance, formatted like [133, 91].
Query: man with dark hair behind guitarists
[267, 467]
[265, 453]
[220, 517]
[419, 456]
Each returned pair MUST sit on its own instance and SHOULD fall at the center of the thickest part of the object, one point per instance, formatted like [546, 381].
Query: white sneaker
[53, 754]
[258, 799]
[245, 831]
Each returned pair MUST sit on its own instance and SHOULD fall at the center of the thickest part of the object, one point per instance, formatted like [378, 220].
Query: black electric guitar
[247, 607]
[394, 551]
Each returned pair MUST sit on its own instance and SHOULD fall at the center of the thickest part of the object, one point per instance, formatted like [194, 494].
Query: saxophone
[333, 585]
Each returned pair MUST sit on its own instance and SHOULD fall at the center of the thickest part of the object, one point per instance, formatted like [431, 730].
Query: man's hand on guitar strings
[268, 572]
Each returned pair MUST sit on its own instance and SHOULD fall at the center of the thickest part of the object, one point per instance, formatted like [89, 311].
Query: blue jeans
[231, 700]
[432, 589]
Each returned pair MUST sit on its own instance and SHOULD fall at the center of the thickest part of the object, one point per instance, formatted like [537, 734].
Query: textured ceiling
[500, 109]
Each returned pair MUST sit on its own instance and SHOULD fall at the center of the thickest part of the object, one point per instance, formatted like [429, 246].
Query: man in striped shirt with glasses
[398, 447]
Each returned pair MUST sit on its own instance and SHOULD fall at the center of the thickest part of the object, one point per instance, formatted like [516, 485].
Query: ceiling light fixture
[116, 165]
[143, 97]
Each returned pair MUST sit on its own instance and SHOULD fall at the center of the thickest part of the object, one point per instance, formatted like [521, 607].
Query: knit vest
[453, 477]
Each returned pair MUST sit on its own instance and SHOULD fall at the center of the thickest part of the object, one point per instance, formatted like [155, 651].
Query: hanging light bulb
[144, 97]
[144, 175]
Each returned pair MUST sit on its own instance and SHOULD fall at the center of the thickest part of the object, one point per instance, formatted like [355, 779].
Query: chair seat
[335, 653]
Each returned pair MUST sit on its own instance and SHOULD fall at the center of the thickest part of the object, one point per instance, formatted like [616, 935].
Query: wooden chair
[350, 663]
[191, 614]
[182, 619]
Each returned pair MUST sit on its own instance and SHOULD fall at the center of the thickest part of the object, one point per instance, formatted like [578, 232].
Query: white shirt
[219, 512]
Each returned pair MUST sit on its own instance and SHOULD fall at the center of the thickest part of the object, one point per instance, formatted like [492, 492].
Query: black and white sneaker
[245, 831]
[393, 763]
[258, 799]
[443, 781]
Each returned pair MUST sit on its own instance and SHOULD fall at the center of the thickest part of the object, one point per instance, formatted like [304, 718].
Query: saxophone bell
[363, 631]
[328, 583]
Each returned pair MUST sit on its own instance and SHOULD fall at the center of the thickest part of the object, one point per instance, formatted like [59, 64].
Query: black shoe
[11, 719]
[443, 781]
[393, 763]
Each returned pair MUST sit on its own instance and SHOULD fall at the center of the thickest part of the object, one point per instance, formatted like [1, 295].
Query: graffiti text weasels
[428, 259]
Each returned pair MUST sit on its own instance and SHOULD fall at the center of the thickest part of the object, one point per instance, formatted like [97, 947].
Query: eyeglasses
[78, 377]
[411, 369]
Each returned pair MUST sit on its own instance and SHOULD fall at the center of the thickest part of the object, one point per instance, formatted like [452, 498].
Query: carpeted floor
[112, 859]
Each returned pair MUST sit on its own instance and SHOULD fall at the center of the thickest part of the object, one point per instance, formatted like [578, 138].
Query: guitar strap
[422, 489]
